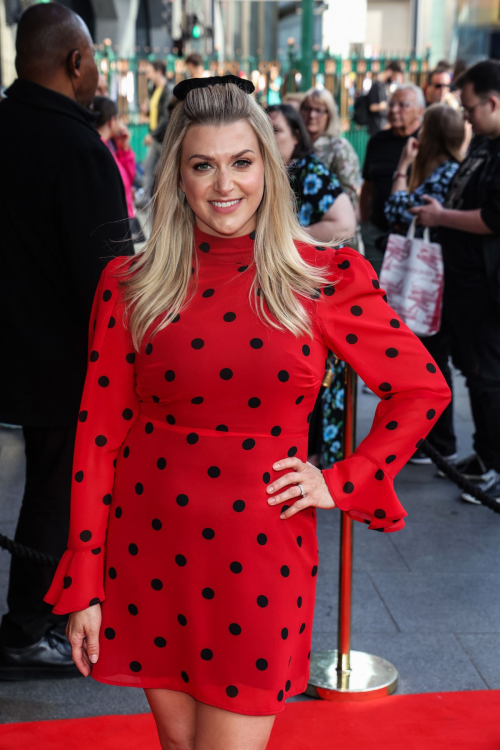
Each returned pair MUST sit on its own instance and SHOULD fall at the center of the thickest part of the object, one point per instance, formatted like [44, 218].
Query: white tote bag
[412, 276]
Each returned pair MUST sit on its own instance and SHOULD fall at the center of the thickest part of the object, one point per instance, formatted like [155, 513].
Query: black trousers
[442, 436]
[43, 525]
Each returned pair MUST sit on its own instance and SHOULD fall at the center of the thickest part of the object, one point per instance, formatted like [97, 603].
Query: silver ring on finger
[301, 490]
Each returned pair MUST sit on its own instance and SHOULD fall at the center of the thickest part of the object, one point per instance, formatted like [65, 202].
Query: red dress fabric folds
[203, 587]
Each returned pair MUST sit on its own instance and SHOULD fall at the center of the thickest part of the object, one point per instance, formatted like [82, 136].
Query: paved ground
[426, 598]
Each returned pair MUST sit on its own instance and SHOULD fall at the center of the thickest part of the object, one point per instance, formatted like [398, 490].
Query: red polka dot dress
[204, 589]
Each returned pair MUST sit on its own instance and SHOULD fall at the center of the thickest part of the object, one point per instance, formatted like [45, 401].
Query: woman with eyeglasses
[322, 121]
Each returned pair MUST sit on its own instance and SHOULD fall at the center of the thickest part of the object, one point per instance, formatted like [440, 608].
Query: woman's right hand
[82, 632]
[409, 154]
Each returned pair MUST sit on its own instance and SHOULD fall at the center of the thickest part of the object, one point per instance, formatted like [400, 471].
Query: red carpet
[431, 721]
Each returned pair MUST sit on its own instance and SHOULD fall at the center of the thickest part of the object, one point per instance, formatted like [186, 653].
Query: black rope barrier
[26, 553]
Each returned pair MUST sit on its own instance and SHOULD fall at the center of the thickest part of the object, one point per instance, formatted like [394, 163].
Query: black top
[62, 208]
[473, 260]
[382, 157]
[377, 94]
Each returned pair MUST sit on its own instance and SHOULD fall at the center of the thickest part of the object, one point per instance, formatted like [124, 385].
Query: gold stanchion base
[369, 677]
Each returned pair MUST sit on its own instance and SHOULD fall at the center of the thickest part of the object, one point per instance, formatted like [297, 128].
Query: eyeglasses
[310, 110]
[402, 105]
[441, 85]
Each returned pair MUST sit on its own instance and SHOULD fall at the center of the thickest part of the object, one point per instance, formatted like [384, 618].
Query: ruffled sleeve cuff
[366, 493]
[78, 582]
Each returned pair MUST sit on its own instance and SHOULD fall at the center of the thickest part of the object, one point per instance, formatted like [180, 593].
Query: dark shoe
[421, 458]
[49, 658]
[471, 468]
[490, 487]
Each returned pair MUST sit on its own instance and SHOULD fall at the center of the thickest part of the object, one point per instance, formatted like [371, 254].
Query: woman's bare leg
[175, 716]
[217, 729]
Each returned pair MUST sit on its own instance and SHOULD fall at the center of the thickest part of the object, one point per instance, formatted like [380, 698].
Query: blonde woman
[320, 114]
[192, 557]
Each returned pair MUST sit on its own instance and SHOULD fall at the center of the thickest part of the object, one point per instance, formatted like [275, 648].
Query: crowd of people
[433, 154]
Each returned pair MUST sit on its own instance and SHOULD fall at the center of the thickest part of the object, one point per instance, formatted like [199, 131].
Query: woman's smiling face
[222, 175]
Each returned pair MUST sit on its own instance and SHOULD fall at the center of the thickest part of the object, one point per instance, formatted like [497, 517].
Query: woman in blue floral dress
[325, 209]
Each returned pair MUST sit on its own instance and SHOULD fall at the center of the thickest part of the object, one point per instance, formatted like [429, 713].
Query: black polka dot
[329, 290]
[231, 691]
[229, 317]
[126, 452]
[133, 549]
[94, 356]
[261, 664]
[395, 323]
[206, 654]
[213, 471]
[107, 499]
[112, 573]
[130, 358]
[83, 416]
[192, 438]
[351, 338]
[319, 247]
[391, 425]
[385, 387]
[149, 348]
[177, 317]
[283, 376]
[156, 524]
[299, 602]
[431, 414]
[299, 400]
[348, 488]
[118, 512]
[127, 414]
[197, 400]
[292, 451]
[256, 343]
[345, 264]
[284, 633]
[390, 459]
[379, 513]
[170, 419]
[169, 376]
[106, 295]
[180, 560]
[248, 444]
[93, 601]
[275, 431]
[262, 539]
[429, 366]
[161, 463]
[306, 350]
[234, 628]
[182, 620]
[197, 343]
[222, 428]
[139, 488]
[204, 247]
[182, 500]
[239, 505]
[302, 627]
[235, 567]
[356, 310]
[208, 292]
[266, 477]
[67, 582]
[86, 535]
[379, 474]
[285, 571]
[254, 402]
[208, 533]
[280, 695]
[160, 642]
[391, 352]
[133, 609]
[185, 675]
[299, 541]
[262, 601]
[79, 476]
[376, 284]
[242, 268]
[109, 633]
[208, 593]
[226, 373]
[314, 570]
[148, 428]
[111, 322]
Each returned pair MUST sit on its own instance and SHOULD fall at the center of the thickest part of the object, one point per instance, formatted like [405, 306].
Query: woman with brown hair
[192, 556]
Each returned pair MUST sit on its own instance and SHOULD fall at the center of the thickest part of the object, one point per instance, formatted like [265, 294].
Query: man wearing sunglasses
[438, 86]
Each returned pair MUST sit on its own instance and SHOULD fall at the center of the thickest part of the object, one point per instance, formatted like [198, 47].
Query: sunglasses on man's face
[441, 85]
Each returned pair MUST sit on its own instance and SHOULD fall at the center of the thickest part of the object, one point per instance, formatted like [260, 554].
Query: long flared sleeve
[360, 327]
[109, 405]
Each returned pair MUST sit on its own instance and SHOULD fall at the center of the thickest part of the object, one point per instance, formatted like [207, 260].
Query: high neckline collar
[212, 249]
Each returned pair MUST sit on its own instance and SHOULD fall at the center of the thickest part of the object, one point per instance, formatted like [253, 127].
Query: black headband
[184, 87]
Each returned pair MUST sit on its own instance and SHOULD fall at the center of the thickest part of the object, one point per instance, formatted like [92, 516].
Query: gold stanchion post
[342, 674]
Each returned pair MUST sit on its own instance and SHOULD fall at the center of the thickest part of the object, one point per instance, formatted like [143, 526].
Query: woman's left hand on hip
[311, 479]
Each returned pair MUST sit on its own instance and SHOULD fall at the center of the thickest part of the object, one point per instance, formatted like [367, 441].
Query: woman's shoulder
[336, 261]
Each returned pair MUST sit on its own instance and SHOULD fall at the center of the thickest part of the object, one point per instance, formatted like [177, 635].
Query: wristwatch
[399, 174]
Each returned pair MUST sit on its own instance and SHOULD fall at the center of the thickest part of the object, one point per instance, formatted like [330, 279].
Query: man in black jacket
[62, 216]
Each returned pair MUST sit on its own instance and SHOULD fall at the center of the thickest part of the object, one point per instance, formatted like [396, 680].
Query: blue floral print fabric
[315, 187]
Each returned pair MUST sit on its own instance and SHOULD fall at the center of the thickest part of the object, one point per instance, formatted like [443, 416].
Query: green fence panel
[358, 138]
[137, 135]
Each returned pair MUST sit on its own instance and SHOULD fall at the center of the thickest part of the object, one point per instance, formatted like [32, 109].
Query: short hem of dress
[124, 683]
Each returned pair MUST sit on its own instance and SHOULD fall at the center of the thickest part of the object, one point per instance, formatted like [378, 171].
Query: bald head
[54, 49]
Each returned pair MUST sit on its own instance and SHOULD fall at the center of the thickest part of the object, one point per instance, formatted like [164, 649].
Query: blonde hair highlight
[162, 281]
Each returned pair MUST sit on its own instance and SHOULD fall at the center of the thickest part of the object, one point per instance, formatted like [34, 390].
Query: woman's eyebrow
[210, 158]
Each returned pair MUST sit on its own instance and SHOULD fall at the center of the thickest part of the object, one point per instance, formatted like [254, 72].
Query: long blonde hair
[162, 282]
[442, 134]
